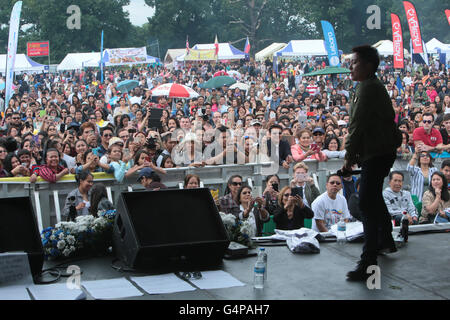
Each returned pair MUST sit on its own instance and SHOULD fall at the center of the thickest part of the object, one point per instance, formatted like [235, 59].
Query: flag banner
[447, 13]
[187, 46]
[414, 28]
[38, 49]
[12, 49]
[201, 55]
[126, 56]
[101, 58]
[247, 47]
[216, 44]
[330, 44]
[397, 39]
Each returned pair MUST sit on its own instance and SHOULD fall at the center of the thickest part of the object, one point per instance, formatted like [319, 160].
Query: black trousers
[375, 215]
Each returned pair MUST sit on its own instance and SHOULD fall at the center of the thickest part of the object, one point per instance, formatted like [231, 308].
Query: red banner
[38, 49]
[447, 12]
[397, 39]
[414, 29]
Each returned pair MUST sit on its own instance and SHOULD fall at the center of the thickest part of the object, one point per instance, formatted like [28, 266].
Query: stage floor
[419, 271]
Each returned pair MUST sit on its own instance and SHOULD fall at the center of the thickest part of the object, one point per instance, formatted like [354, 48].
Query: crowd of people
[72, 123]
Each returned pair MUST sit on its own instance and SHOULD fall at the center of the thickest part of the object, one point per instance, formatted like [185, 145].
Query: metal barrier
[49, 198]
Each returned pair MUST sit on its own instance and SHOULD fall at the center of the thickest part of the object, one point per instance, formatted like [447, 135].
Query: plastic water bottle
[258, 279]
[341, 236]
[263, 253]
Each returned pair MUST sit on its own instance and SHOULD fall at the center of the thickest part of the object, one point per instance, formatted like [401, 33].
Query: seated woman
[51, 171]
[14, 168]
[436, 199]
[291, 211]
[271, 193]
[191, 181]
[252, 209]
[229, 202]
[99, 200]
[93, 164]
[332, 148]
[420, 173]
[308, 191]
[80, 197]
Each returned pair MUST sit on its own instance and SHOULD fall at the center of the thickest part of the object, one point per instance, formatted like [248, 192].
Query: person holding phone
[305, 149]
[252, 209]
[291, 211]
[303, 185]
[271, 192]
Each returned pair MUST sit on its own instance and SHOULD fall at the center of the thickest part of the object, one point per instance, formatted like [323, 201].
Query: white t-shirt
[329, 210]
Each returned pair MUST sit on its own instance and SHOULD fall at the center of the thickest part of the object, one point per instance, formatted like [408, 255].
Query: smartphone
[131, 130]
[297, 191]
[275, 186]
[62, 128]
[314, 146]
[148, 159]
[273, 115]
[126, 152]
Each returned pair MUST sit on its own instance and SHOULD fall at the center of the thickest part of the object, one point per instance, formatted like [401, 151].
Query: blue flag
[399, 85]
[330, 44]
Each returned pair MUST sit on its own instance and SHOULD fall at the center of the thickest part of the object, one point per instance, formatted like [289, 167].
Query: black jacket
[300, 214]
[284, 151]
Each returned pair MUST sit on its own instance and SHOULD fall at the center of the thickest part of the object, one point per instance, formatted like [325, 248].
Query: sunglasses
[335, 182]
[107, 135]
[427, 121]
[236, 184]
[318, 134]
[286, 195]
[246, 192]
[423, 155]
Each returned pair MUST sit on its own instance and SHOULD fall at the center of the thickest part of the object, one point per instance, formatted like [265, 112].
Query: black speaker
[19, 231]
[169, 229]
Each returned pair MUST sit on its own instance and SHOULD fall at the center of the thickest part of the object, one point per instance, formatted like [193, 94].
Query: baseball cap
[342, 123]
[114, 140]
[145, 172]
[318, 129]
[255, 122]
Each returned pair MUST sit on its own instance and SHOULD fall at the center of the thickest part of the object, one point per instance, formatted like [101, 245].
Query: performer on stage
[371, 143]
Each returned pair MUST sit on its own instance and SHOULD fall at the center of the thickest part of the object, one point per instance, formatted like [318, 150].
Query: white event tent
[299, 48]
[22, 64]
[78, 61]
[268, 51]
[226, 51]
[434, 44]
[386, 48]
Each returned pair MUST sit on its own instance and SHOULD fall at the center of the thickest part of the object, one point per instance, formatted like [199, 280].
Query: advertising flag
[447, 13]
[397, 39]
[101, 59]
[330, 43]
[187, 45]
[12, 49]
[414, 28]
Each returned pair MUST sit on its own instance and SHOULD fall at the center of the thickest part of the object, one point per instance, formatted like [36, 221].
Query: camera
[151, 143]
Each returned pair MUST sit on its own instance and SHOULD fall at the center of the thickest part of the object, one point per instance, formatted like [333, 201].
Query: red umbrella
[174, 90]
[220, 73]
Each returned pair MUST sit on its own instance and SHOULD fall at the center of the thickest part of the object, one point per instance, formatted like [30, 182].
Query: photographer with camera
[79, 198]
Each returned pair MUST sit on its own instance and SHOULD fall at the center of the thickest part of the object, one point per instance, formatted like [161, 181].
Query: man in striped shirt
[312, 88]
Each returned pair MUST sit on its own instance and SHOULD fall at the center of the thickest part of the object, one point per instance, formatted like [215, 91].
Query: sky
[138, 12]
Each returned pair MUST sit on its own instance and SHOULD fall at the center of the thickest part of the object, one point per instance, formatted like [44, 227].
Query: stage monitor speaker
[19, 231]
[169, 229]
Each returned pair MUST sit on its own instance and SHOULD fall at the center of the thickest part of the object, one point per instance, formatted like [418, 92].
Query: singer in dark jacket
[372, 141]
[291, 212]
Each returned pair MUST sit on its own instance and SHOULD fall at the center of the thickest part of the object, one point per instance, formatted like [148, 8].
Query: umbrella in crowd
[174, 90]
[241, 86]
[235, 74]
[127, 85]
[327, 70]
[221, 73]
[218, 82]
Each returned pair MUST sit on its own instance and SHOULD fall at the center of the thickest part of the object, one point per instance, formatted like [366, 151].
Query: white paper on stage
[164, 283]
[111, 289]
[353, 230]
[14, 293]
[215, 280]
[56, 291]
[15, 269]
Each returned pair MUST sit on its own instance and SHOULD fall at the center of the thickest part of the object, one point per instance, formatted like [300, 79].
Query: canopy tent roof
[268, 51]
[22, 64]
[434, 43]
[297, 48]
[327, 70]
[75, 61]
[386, 48]
[172, 54]
[226, 51]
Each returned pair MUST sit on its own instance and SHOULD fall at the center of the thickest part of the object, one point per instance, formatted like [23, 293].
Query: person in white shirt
[330, 206]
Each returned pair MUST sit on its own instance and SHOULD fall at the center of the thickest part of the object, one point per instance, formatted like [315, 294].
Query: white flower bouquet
[240, 231]
[86, 234]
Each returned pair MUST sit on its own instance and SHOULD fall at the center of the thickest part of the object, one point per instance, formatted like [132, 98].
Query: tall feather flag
[187, 45]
